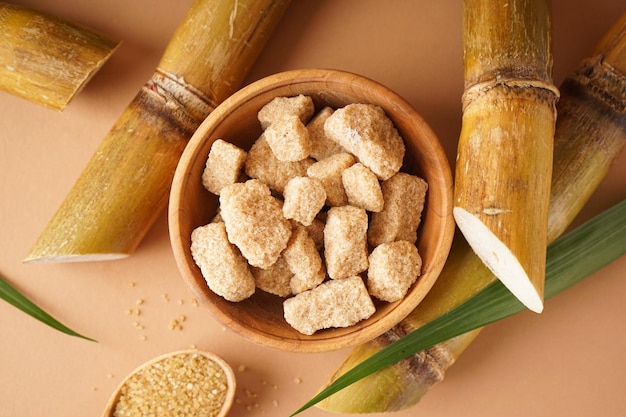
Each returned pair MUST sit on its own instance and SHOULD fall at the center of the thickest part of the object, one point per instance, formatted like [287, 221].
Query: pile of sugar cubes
[316, 212]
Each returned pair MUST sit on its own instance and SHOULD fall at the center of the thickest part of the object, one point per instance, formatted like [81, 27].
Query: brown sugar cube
[261, 164]
[329, 171]
[316, 232]
[304, 198]
[321, 146]
[393, 268]
[289, 139]
[223, 166]
[300, 105]
[300, 283]
[254, 222]
[225, 271]
[404, 196]
[274, 280]
[345, 241]
[365, 131]
[362, 188]
[304, 261]
[335, 303]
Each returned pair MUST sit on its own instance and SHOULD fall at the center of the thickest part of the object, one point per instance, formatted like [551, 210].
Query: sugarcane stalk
[590, 134]
[505, 148]
[45, 59]
[125, 185]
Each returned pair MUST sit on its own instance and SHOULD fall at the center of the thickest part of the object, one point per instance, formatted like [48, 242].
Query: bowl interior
[260, 318]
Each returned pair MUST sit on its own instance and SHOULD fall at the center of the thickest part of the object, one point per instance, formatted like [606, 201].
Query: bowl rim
[318, 343]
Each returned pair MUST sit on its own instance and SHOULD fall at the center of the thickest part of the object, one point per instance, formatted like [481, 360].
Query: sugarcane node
[124, 187]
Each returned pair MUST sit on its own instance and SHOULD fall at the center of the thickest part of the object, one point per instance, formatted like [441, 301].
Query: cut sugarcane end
[92, 257]
[498, 258]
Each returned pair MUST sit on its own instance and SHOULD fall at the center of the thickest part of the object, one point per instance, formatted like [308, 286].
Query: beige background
[569, 361]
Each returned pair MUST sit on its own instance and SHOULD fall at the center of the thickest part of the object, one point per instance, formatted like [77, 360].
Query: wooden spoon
[164, 359]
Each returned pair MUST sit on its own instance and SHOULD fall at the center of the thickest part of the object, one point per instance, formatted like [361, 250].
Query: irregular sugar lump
[223, 166]
[320, 196]
[393, 269]
[335, 303]
[255, 222]
[345, 241]
[304, 198]
[274, 280]
[404, 196]
[261, 164]
[304, 261]
[289, 139]
[321, 145]
[362, 188]
[365, 131]
[225, 271]
[329, 171]
[300, 105]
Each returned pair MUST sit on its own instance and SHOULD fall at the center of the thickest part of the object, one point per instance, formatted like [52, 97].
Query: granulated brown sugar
[181, 385]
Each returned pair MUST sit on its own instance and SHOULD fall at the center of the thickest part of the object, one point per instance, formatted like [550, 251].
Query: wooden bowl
[260, 318]
[223, 365]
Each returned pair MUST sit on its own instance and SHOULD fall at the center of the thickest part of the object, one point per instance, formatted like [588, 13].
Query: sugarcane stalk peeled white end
[499, 259]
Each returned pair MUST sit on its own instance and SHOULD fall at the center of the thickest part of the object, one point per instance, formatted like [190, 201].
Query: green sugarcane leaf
[14, 297]
[570, 259]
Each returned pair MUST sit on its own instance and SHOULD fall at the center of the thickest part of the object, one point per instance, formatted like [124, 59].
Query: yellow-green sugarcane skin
[233, 31]
[504, 159]
[504, 169]
[590, 134]
[593, 107]
[125, 185]
[395, 387]
[105, 211]
[506, 40]
[45, 59]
